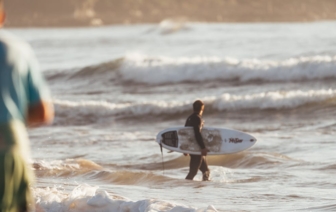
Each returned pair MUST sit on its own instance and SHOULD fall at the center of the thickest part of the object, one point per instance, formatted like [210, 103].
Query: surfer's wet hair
[198, 104]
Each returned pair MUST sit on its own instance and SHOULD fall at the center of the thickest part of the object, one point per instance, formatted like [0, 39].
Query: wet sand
[69, 13]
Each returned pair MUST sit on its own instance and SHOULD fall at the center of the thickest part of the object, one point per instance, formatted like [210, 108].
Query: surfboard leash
[162, 159]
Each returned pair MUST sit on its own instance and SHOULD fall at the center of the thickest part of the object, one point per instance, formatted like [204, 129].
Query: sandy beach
[70, 13]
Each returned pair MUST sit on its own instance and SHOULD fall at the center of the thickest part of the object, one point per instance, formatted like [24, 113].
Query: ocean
[115, 87]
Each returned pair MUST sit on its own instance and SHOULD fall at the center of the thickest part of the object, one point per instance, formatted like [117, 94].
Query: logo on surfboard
[235, 140]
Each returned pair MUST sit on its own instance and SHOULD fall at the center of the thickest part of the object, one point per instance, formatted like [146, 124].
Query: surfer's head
[2, 13]
[198, 106]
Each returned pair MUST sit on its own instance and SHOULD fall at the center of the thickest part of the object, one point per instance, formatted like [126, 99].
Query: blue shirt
[21, 82]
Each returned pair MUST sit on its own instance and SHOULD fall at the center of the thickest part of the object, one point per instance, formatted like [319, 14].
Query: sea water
[115, 87]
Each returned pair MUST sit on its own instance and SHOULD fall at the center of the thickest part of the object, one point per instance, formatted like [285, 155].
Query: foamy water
[114, 88]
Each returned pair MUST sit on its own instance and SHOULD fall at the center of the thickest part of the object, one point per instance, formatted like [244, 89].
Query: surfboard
[219, 141]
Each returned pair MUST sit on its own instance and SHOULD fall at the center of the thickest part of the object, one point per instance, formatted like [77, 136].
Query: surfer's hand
[204, 151]
[185, 154]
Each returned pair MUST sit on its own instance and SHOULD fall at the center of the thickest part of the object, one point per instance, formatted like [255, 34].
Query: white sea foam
[226, 101]
[68, 164]
[103, 108]
[157, 70]
[56, 164]
[86, 198]
[271, 100]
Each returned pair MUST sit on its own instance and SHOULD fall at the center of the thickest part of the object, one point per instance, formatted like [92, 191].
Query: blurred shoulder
[11, 43]
[16, 54]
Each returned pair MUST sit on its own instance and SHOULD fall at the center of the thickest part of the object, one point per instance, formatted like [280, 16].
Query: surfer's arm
[197, 129]
[199, 139]
[40, 108]
[39, 113]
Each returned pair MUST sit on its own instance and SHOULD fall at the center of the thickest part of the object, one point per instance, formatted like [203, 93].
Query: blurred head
[198, 106]
[2, 13]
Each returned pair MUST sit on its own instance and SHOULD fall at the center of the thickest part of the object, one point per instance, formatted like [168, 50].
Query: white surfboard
[219, 141]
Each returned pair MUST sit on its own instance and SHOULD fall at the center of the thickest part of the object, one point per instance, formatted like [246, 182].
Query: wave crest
[69, 167]
[163, 70]
[158, 70]
[77, 111]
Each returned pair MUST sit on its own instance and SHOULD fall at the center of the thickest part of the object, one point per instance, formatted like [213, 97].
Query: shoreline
[83, 13]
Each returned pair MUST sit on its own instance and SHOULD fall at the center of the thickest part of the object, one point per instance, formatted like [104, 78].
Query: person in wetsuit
[198, 161]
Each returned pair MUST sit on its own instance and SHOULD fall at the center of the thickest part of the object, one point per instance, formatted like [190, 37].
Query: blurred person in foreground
[24, 101]
[198, 161]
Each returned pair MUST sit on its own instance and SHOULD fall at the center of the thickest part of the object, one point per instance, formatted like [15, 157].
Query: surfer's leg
[205, 169]
[15, 174]
[194, 165]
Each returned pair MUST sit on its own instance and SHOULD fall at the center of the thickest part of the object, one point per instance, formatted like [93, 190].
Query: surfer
[198, 161]
[24, 99]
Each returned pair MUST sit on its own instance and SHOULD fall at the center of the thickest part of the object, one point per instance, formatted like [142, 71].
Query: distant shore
[72, 13]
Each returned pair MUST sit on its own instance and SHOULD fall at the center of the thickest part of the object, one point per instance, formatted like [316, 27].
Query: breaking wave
[163, 70]
[158, 70]
[65, 168]
[226, 102]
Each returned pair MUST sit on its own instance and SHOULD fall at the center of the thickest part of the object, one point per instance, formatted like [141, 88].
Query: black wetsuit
[197, 161]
